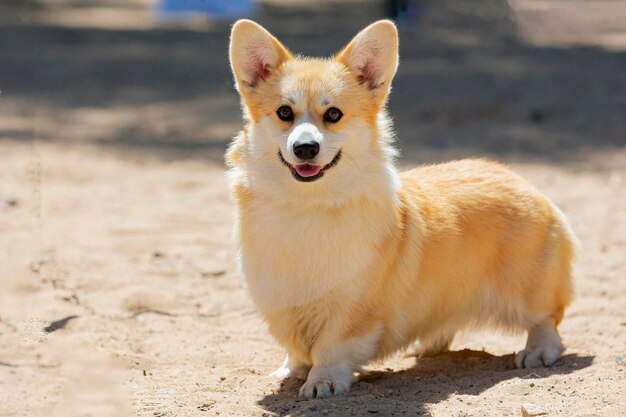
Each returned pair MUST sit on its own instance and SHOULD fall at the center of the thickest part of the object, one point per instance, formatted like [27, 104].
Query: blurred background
[531, 76]
[119, 293]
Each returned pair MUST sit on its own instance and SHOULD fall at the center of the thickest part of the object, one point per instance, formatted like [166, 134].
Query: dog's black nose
[306, 150]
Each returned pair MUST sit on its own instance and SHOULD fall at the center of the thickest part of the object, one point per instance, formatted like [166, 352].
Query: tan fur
[364, 261]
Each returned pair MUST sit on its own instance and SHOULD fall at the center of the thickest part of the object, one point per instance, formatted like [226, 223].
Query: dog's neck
[273, 230]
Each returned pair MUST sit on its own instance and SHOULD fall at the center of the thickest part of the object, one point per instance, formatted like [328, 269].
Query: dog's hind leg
[550, 295]
[543, 346]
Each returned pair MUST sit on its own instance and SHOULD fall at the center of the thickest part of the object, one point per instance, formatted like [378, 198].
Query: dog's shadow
[408, 392]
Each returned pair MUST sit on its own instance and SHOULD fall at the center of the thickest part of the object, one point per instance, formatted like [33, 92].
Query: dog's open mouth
[309, 172]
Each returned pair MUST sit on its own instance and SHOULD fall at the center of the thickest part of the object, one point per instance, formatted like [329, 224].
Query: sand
[119, 294]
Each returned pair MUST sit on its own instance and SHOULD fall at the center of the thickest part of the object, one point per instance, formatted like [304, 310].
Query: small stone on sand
[531, 410]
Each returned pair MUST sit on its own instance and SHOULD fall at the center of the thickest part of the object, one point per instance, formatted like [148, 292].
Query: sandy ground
[118, 288]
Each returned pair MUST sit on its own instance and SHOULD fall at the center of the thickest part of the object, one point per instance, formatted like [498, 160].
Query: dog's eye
[285, 113]
[333, 115]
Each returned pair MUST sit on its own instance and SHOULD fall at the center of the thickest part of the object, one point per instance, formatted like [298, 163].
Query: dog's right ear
[254, 54]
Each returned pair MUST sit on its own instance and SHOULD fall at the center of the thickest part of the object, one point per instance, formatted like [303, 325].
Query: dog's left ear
[372, 56]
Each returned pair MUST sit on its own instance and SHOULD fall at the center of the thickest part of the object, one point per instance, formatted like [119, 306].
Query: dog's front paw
[323, 388]
[538, 356]
[326, 381]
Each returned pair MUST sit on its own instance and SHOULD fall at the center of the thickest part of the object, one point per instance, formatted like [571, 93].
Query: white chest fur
[291, 257]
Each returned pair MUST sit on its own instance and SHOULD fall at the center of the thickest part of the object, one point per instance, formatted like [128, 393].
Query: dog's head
[316, 126]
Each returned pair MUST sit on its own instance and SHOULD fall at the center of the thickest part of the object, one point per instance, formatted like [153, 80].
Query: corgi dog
[347, 259]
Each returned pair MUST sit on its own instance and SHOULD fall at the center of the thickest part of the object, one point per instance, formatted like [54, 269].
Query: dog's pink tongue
[306, 170]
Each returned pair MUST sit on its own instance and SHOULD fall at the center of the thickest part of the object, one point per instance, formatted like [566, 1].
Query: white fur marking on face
[303, 131]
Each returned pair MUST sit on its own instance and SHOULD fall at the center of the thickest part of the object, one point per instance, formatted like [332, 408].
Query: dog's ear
[254, 54]
[372, 56]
